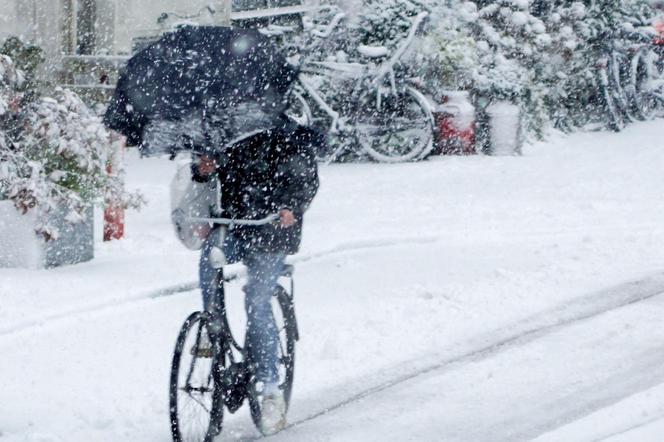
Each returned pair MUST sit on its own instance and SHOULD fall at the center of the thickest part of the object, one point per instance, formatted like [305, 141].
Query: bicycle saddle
[373, 51]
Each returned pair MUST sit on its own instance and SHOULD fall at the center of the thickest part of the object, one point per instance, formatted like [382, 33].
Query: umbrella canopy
[200, 85]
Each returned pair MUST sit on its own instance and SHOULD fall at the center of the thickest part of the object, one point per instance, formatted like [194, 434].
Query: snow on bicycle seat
[237, 270]
[373, 51]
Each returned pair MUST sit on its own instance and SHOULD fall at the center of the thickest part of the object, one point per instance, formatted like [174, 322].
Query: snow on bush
[451, 53]
[540, 55]
[53, 152]
[511, 43]
[386, 22]
[582, 36]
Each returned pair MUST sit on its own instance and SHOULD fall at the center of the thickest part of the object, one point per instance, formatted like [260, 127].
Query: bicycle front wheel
[196, 406]
[398, 127]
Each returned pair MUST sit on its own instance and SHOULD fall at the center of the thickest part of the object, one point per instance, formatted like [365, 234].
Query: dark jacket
[263, 174]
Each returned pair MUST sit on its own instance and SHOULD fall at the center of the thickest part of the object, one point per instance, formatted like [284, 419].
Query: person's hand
[286, 218]
[206, 165]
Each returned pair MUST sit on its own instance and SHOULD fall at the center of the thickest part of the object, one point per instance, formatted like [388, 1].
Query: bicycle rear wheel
[647, 80]
[400, 128]
[610, 96]
[284, 315]
[196, 408]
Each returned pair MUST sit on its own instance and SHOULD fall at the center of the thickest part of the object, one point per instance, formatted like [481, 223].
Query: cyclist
[272, 172]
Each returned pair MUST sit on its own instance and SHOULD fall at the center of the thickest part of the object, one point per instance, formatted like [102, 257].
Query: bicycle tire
[620, 79]
[647, 80]
[299, 111]
[616, 120]
[379, 134]
[201, 420]
[287, 356]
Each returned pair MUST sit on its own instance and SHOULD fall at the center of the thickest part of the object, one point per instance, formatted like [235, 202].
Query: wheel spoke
[198, 401]
[403, 131]
[193, 413]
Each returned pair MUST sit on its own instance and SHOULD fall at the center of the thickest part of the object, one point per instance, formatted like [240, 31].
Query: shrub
[53, 152]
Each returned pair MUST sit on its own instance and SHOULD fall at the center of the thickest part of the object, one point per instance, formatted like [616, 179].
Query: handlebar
[407, 41]
[237, 222]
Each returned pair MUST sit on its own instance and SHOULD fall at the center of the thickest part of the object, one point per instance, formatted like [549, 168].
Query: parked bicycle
[210, 370]
[381, 111]
[630, 78]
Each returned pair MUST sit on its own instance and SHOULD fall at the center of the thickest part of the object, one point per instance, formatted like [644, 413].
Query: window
[86, 14]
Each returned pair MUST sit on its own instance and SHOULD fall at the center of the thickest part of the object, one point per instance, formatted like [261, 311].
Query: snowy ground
[473, 298]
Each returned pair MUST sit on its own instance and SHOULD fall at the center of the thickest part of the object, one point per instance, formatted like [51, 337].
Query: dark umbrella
[200, 85]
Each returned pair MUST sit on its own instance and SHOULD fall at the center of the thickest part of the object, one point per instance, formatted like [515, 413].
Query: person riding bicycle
[273, 172]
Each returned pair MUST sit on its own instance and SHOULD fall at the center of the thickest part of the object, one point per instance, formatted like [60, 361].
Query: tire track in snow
[487, 345]
[45, 320]
[478, 348]
[27, 324]
[343, 248]
[631, 428]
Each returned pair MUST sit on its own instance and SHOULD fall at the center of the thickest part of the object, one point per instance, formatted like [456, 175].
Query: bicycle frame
[232, 366]
[217, 306]
[228, 374]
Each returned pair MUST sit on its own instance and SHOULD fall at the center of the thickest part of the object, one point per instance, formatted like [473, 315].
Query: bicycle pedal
[235, 381]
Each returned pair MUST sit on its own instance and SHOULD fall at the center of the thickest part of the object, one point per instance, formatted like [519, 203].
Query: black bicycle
[211, 370]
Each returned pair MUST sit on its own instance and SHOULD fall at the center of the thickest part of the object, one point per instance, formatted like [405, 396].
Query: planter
[505, 128]
[21, 247]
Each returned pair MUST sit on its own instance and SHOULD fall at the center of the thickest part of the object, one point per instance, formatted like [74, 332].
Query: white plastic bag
[190, 199]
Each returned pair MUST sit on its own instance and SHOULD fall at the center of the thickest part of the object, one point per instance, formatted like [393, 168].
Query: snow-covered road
[514, 390]
[431, 278]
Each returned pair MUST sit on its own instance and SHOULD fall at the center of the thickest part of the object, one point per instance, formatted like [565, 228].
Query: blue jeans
[263, 271]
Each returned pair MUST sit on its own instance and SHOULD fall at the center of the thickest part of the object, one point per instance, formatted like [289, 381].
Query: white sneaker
[273, 410]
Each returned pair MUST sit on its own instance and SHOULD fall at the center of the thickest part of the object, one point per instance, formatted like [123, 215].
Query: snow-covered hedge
[53, 152]
[542, 56]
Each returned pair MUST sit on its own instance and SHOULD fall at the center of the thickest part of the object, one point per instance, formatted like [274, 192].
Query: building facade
[85, 42]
